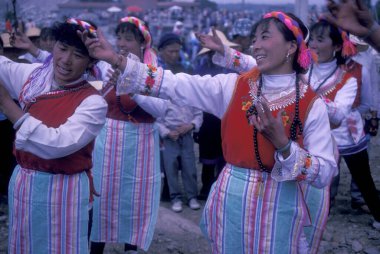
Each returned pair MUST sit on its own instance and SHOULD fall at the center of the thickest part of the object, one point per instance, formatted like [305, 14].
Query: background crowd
[179, 50]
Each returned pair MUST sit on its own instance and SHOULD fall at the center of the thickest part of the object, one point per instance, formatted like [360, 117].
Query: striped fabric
[48, 212]
[318, 203]
[248, 212]
[127, 176]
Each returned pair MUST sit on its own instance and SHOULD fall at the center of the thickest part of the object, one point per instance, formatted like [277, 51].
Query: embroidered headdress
[83, 24]
[149, 54]
[305, 56]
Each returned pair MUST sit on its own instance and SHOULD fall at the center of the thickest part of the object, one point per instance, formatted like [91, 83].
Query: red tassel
[349, 48]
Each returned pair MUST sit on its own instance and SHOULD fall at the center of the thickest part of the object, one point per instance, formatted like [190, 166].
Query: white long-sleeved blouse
[34, 136]
[154, 106]
[213, 95]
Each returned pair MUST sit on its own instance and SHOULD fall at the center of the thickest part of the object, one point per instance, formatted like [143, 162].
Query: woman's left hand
[271, 127]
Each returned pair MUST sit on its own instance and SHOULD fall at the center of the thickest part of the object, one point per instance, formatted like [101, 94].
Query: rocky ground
[348, 230]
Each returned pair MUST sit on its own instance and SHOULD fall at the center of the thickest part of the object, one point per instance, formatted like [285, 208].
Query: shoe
[360, 207]
[177, 206]
[376, 225]
[193, 203]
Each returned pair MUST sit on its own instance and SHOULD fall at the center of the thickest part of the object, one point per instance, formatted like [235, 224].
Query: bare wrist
[285, 147]
[34, 51]
[371, 31]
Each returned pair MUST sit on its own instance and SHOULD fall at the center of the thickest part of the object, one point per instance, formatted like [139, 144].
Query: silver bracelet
[285, 148]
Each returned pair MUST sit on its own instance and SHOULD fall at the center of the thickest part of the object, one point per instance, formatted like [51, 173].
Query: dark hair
[169, 39]
[288, 34]
[67, 33]
[125, 27]
[335, 35]
[46, 33]
[1, 43]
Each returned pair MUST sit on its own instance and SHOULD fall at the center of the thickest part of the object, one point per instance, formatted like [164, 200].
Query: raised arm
[211, 94]
[21, 41]
[354, 17]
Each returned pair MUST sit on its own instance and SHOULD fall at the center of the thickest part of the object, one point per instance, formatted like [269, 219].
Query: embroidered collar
[282, 97]
[332, 82]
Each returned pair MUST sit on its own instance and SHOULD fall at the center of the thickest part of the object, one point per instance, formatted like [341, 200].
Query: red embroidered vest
[355, 69]
[137, 114]
[54, 110]
[237, 134]
[331, 91]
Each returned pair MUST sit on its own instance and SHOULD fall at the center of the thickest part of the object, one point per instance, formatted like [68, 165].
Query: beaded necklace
[323, 81]
[296, 124]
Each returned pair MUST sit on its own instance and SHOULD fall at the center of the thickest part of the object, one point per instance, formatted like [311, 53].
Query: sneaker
[193, 203]
[177, 206]
[376, 225]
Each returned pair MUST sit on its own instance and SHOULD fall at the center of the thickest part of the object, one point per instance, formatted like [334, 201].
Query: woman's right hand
[212, 42]
[21, 41]
[350, 15]
[98, 47]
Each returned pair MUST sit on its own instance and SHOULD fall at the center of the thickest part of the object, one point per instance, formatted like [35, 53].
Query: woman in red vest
[51, 188]
[340, 85]
[275, 136]
[126, 169]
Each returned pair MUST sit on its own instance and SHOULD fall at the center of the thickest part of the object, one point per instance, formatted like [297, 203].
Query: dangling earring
[334, 53]
[287, 57]
[142, 54]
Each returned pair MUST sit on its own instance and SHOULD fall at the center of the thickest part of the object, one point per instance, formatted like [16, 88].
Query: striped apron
[48, 213]
[318, 203]
[127, 176]
[255, 214]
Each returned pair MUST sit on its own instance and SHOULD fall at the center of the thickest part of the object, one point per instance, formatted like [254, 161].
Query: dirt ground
[348, 231]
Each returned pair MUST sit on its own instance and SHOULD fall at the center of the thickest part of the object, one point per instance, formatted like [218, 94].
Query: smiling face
[321, 43]
[127, 42]
[270, 50]
[69, 63]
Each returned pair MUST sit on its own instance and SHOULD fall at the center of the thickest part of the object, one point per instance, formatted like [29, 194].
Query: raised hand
[21, 41]
[271, 127]
[212, 42]
[350, 15]
[98, 47]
